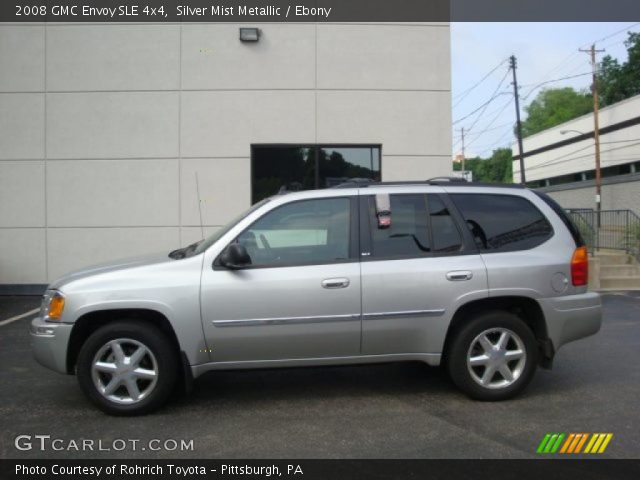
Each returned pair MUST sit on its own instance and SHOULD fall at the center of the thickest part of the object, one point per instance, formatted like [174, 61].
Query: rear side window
[573, 229]
[408, 235]
[503, 223]
[421, 225]
[446, 237]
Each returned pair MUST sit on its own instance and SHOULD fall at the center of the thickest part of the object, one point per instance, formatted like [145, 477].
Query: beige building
[561, 160]
[103, 128]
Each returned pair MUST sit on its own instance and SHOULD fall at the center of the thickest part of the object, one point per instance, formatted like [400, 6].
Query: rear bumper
[572, 317]
[49, 343]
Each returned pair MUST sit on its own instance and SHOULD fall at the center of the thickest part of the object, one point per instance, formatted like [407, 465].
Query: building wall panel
[112, 125]
[213, 58]
[113, 57]
[375, 57]
[21, 58]
[22, 194]
[21, 126]
[99, 193]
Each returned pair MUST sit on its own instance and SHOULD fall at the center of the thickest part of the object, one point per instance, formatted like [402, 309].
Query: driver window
[305, 232]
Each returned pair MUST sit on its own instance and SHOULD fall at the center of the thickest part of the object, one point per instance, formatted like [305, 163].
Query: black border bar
[234, 11]
[580, 469]
[260, 11]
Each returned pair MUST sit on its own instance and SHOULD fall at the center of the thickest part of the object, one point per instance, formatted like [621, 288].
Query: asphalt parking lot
[382, 411]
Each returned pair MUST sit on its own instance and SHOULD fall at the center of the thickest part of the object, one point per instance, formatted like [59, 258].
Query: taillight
[580, 267]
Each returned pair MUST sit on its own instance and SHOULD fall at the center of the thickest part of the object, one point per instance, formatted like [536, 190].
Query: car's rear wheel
[493, 357]
[127, 368]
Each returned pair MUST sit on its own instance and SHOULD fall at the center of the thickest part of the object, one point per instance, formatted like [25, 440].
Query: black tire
[166, 365]
[461, 343]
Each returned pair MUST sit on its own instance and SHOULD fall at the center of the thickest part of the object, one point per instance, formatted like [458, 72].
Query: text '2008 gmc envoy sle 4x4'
[488, 281]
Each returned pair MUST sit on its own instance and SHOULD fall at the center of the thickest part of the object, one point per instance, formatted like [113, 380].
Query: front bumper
[572, 317]
[49, 341]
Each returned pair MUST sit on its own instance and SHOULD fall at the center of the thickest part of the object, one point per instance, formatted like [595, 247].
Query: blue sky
[545, 51]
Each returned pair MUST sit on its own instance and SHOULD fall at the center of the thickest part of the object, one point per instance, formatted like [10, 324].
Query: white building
[561, 160]
[103, 128]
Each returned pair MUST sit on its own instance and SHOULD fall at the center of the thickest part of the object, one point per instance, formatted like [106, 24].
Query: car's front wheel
[127, 368]
[493, 357]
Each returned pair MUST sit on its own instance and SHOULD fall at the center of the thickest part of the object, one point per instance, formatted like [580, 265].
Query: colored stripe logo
[573, 443]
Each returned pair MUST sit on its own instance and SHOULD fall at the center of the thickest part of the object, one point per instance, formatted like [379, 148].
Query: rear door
[517, 243]
[414, 273]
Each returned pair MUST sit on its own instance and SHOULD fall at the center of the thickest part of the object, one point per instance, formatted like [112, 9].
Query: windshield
[202, 245]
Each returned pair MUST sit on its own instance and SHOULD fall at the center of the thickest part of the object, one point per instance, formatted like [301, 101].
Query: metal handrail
[616, 229]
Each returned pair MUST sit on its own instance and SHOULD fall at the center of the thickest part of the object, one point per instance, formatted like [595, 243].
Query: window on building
[612, 171]
[616, 170]
[298, 233]
[305, 167]
[503, 222]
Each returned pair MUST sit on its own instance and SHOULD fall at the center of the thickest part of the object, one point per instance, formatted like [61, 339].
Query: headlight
[52, 306]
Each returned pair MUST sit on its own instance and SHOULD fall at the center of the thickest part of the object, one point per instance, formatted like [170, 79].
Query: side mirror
[235, 257]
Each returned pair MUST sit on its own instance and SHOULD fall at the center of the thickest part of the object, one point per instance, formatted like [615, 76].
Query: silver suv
[488, 281]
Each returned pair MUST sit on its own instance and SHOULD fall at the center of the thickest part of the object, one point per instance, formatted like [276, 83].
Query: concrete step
[619, 271]
[615, 259]
[620, 283]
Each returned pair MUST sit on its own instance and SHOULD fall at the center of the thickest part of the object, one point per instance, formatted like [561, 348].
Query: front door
[300, 298]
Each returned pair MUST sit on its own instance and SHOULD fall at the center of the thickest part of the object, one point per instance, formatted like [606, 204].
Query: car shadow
[301, 384]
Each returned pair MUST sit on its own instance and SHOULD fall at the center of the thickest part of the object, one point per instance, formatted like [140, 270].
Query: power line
[501, 139]
[490, 123]
[552, 81]
[487, 148]
[475, 122]
[553, 161]
[562, 158]
[611, 35]
[569, 58]
[497, 127]
[482, 108]
[469, 90]
[556, 160]
[559, 66]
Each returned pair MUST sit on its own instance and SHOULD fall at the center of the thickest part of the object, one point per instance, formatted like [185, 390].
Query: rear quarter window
[502, 223]
[573, 229]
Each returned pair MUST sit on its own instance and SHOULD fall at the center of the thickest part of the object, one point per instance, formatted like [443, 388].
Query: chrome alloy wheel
[496, 358]
[124, 371]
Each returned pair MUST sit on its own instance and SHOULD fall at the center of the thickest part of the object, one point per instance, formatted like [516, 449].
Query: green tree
[495, 169]
[617, 81]
[554, 106]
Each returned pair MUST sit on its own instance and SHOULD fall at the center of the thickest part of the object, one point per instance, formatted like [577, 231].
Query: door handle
[459, 275]
[335, 283]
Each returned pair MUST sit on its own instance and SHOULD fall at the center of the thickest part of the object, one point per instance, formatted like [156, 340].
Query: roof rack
[448, 181]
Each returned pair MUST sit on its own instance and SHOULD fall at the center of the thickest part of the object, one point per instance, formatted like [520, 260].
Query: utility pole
[462, 160]
[596, 125]
[516, 95]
